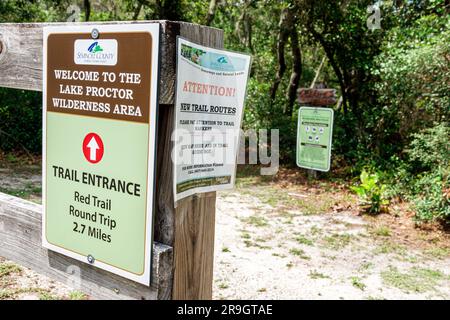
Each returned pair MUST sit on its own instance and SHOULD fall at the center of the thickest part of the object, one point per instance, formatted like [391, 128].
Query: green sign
[99, 138]
[314, 135]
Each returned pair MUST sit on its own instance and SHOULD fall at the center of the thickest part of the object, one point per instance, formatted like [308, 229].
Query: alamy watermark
[74, 278]
[374, 19]
[219, 147]
[74, 13]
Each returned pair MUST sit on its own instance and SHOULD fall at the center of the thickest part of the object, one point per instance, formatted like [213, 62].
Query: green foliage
[430, 149]
[423, 176]
[433, 200]
[77, 295]
[25, 11]
[429, 154]
[21, 120]
[371, 192]
[414, 73]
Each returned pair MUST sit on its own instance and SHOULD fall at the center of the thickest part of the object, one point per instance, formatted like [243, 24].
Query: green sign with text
[314, 137]
[99, 138]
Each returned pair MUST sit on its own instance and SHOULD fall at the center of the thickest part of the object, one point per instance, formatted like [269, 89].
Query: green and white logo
[98, 52]
[95, 47]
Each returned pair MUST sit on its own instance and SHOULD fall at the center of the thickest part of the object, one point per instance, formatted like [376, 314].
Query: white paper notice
[211, 87]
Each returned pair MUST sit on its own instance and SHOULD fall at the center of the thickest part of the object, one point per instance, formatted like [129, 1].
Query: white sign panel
[99, 52]
[211, 87]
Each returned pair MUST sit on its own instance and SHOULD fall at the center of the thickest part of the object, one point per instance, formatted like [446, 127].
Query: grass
[390, 247]
[249, 244]
[48, 296]
[12, 293]
[280, 198]
[382, 231]
[365, 266]
[329, 257]
[26, 192]
[414, 280]
[375, 298]
[299, 253]
[21, 193]
[438, 252]
[337, 241]
[14, 160]
[7, 268]
[256, 221]
[262, 290]
[280, 255]
[304, 240]
[357, 283]
[315, 231]
[316, 205]
[317, 275]
[223, 286]
[77, 295]
[245, 235]
[225, 249]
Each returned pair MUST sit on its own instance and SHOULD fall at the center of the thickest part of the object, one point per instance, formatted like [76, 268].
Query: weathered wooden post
[184, 236]
[189, 228]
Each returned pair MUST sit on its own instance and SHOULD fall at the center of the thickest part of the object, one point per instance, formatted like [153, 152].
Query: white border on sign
[193, 191]
[153, 29]
[298, 137]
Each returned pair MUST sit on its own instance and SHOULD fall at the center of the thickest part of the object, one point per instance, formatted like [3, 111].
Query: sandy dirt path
[264, 252]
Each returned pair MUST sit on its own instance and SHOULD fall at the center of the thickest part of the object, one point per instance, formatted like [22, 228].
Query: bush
[429, 155]
[430, 149]
[423, 176]
[432, 201]
[20, 120]
[413, 73]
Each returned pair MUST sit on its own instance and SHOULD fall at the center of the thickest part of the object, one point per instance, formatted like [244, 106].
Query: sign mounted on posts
[99, 127]
[314, 137]
[211, 87]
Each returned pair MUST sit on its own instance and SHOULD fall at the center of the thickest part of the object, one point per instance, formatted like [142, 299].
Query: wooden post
[188, 228]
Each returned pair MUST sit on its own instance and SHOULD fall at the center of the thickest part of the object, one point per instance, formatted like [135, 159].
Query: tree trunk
[296, 72]
[283, 35]
[211, 12]
[87, 9]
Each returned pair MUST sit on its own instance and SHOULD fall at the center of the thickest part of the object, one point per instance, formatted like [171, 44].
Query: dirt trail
[266, 252]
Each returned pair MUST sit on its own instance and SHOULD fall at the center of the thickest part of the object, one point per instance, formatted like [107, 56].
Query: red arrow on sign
[93, 148]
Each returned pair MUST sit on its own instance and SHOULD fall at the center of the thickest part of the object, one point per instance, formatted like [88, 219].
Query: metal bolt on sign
[90, 259]
[95, 34]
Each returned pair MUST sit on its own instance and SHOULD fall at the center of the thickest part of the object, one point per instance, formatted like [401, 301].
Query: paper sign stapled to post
[211, 88]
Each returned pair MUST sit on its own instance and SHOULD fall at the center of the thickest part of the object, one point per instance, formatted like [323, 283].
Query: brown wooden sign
[97, 82]
[317, 97]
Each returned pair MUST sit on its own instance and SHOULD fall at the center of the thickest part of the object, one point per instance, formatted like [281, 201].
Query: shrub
[20, 120]
[371, 193]
[429, 155]
[430, 149]
[433, 200]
